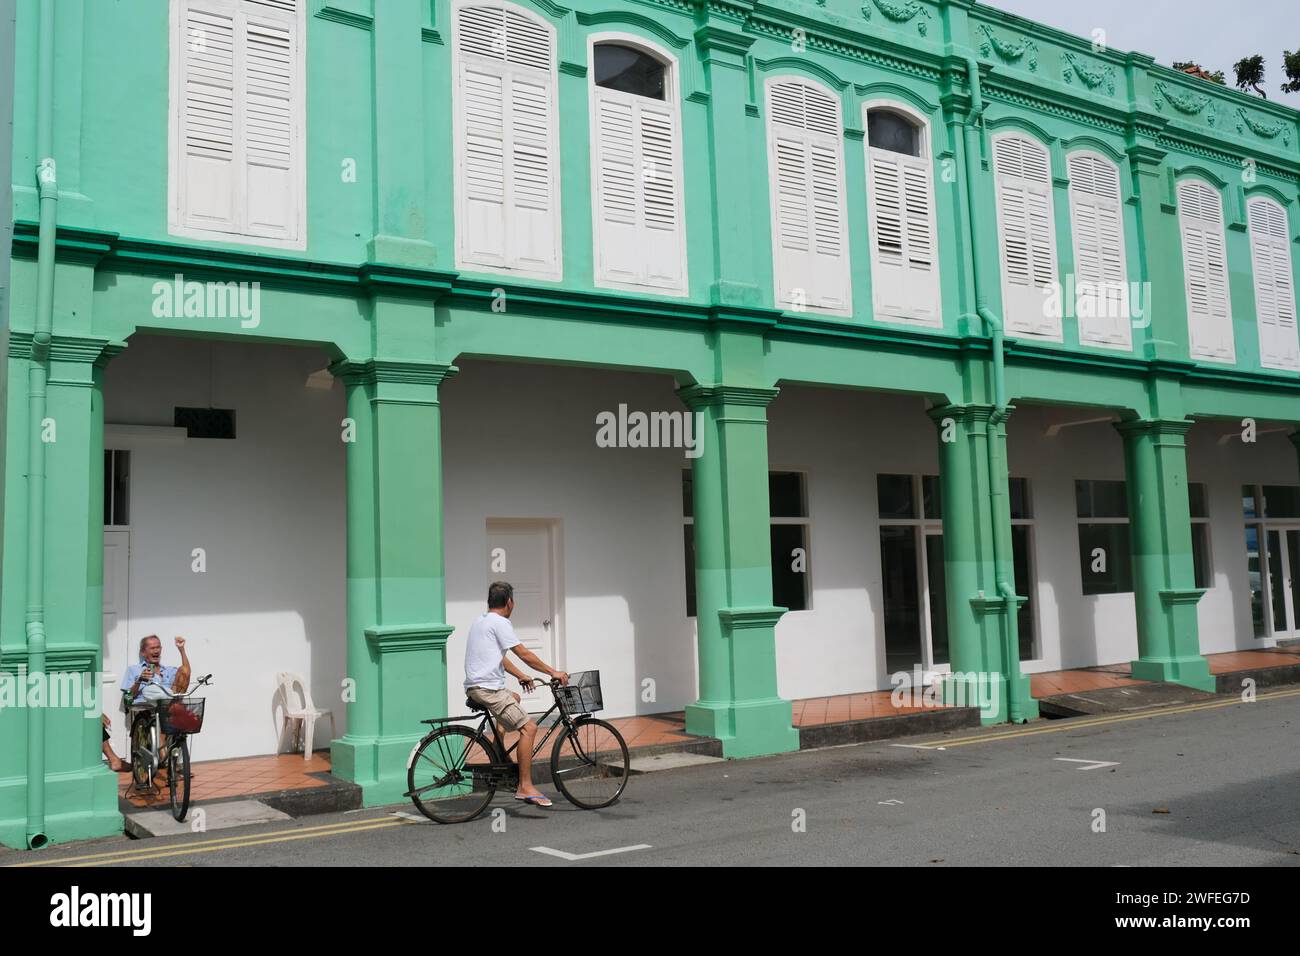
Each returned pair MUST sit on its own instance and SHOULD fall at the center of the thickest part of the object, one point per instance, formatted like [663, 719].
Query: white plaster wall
[267, 507]
[519, 441]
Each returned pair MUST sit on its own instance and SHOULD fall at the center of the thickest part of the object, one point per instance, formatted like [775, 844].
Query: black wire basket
[181, 715]
[581, 695]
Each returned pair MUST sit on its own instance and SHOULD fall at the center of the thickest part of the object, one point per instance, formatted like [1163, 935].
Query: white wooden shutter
[640, 236]
[905, 267]
[805, 159]
[1205, 271]
[239, 117]
[1101, 278]
[1026, 234]
[506, 152]
[1270, 256]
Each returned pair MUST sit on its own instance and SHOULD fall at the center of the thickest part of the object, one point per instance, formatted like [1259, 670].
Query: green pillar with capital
[983, 642]
[396, 592]
[736, 620]
[1160, 538]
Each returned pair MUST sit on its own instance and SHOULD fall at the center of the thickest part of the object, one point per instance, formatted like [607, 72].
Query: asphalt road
[1228, 775]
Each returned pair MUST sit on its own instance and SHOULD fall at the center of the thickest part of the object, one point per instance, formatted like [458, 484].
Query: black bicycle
[159, 740]
[453, 773]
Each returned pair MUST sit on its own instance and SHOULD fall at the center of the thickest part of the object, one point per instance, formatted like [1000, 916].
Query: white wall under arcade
[266, 507]
[519, 445]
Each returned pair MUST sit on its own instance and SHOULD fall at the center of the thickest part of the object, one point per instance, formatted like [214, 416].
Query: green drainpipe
[38, 372]
[997, 457]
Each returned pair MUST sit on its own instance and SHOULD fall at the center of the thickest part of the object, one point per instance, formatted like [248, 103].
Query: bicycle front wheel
[141, 752]
[589, 764]
[447, 776]
[178, 778]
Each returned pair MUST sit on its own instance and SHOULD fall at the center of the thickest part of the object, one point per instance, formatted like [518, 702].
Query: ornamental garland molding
[1265, 130]
[1090, 78]
[815, 41]
[1189, 104]
[901, 13]
[1009, 52]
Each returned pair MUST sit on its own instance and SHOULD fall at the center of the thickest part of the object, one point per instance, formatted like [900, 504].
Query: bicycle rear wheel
[141, 754]
[440, 776]
[178, 778]
[589, 764]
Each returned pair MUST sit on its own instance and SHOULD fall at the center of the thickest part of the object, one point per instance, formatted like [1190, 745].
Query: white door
[117, 640]
[521, 552]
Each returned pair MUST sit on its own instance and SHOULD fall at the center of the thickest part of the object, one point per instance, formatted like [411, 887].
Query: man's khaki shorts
[502, 705]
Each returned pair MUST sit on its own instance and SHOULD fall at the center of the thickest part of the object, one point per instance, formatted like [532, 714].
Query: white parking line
[587, 856]
[1092, 764]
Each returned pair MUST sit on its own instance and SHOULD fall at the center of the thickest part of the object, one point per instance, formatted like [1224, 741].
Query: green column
[1160, 538]
[397, 635]
[983, 642]
[80, 791]
[733, 576]
[1162, 332]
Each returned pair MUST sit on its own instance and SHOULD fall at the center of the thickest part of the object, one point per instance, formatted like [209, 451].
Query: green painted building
[937, 341]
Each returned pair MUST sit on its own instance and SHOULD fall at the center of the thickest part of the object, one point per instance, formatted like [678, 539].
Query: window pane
[1248, 506]
[789, 586]
[1108, 500]
[1255, 576]
[108, 487]
[1104, 558]
[889, 130]
[1025, 588]
[931, 502]
[938, 598]
[121, 487]
[1196, 497]
[894, 496]
[1020, 498]
[785, 490]
[1201, 555]
[629, 70]
[688, 532]
[902, 605]
[1083, 499]
[688, 495]
[1281, 501]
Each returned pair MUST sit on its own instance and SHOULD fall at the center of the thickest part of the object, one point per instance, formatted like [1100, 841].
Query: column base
[999, 700]
[376, 764]
[749, 728]
[1192, 671]
[78, 806]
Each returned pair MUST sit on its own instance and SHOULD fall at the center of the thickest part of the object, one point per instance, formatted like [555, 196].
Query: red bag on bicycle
[182, 720]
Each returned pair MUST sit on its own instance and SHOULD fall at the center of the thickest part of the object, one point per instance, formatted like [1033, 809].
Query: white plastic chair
[303, 718]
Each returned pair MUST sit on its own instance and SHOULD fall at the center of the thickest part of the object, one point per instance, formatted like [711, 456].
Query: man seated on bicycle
[490, 637]
[150, 670]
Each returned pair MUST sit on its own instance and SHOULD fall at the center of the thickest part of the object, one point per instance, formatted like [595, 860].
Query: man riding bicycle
[490, 638]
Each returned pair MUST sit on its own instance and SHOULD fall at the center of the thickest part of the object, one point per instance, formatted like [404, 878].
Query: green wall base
[78, 806]
[1192, 671]
[377, 765]
[753, 728]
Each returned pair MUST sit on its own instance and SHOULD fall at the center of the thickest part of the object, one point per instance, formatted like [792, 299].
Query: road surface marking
[1091, 764]
[890, 803]
[587, 856]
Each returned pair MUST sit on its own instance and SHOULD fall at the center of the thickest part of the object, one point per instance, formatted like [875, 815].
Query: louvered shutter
[905, 268]
[640, 238]
[1205, 270]
[1270, 255]
[508, 203]
[1096, 217]
[1027, 237]
[240, 104]
[808, 214]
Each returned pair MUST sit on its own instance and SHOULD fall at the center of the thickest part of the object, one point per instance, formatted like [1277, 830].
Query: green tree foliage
[1250, 74]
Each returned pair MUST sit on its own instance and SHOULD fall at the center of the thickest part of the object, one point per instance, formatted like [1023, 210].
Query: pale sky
[1215, 34]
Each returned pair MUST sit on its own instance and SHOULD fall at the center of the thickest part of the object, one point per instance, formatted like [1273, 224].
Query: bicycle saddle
[474, 705]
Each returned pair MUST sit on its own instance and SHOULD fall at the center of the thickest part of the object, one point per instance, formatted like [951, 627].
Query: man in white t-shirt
[490, 637]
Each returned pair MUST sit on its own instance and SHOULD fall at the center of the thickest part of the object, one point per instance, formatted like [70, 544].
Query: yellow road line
[1077, 724]
[252, 840]
[143, 852]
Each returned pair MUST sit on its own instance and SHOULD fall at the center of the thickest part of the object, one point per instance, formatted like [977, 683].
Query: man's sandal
[537, 801]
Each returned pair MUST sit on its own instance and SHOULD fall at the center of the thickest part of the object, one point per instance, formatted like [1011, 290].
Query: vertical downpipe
[997, 424]
[38, 371]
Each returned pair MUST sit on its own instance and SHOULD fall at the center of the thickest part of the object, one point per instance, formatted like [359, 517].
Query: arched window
[1205, 271]
[1026, 234]
[806, 171]
[637, 220]
[1270, 259]
[507, 146]
[900, 196]
[1097, 225]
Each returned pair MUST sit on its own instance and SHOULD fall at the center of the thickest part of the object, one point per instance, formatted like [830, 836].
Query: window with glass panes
[1104, 556]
